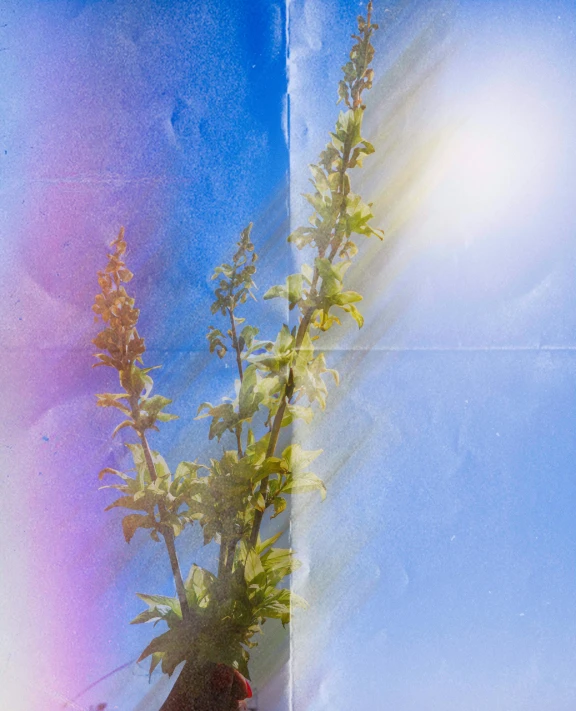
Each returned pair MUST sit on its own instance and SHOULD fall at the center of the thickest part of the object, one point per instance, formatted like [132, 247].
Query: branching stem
[300, 335]
[168, 534]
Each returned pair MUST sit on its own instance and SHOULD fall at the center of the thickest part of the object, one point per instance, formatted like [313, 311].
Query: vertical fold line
[287, 130]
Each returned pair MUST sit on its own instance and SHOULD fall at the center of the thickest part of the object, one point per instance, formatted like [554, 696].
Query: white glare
[500, 155]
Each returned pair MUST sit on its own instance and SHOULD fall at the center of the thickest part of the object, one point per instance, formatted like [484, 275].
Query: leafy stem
[282, 380]
[357, 78]
[236, 344]
[238, 350]
[167, 533]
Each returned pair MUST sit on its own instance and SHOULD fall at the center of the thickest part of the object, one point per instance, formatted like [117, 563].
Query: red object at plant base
[224, 677]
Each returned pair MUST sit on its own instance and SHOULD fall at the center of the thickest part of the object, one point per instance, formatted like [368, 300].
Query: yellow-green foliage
[214, 618]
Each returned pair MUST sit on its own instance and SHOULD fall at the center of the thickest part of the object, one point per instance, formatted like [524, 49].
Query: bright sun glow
[499, 157]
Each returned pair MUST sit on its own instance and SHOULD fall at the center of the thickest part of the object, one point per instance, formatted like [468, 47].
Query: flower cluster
[119, 342]
[357, 72]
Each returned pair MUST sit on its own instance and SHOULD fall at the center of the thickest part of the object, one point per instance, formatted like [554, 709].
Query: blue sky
[447, 578]
[441, 567]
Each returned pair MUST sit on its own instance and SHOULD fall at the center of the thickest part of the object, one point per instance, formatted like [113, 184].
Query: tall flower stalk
[216, 616]
[122, 348]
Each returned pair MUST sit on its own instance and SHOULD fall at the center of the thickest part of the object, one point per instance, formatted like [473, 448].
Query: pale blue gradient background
[441, 569]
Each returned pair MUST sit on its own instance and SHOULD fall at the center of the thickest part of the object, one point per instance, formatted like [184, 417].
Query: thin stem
[230, 549]
[236, 344]
[239, 440]
[228, 543]
[222, 558]
[300, 335]
[238, 350]
[277, 425]
[168, 534]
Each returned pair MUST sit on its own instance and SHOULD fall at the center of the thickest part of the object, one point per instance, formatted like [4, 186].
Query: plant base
[193, 691]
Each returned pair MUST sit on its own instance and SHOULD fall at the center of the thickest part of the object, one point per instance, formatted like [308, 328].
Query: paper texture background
[440, 568]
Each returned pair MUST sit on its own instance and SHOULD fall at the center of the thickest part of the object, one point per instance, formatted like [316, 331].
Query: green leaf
[223, 418]
[290, 598]
[160, 600]
[301, 237]
[279, 506]
[151, 411]
[248, 398]
[292, 290]
[137, 453]
[166, 417]
[198, 585]
[349, 127]
[320, 181]
[298, 601]
[279, 563]
[272, 465]
[285, 340]
[346, 297]
[141, 466]
[294, 287]
[298, 459]
[303, 483]
[332, 276]
[154, 404]
[262, 545]
[275, 292]
[146, 616]
[356, 315]
[248, 334]
[299, 412]
[257, 450]
[253, 570]
[307, 272]
[187, 470]
[159, 607]
[137, 381]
